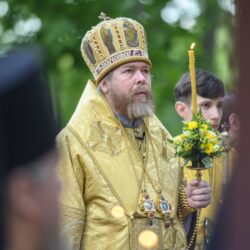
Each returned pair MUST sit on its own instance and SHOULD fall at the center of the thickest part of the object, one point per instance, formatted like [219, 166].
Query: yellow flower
[177, 139]
[192, 125]
[209, 148]
[182, 136]
[215, 141]
[210, 135]
[204, 127]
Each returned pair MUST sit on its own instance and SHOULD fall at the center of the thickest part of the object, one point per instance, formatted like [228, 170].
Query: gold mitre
[112, 43]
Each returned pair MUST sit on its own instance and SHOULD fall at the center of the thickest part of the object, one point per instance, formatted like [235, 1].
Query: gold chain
[146, 204]
[194, 233]
[142, 156]
[160, 181]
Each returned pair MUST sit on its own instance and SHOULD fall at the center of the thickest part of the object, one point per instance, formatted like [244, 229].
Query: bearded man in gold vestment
[119, 172]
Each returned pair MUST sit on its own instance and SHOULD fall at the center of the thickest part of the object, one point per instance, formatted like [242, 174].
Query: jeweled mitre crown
[112, 43]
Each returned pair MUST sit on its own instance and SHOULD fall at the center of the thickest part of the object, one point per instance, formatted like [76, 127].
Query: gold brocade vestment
[100, 169]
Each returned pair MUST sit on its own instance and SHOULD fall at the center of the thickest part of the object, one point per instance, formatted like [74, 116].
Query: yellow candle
[192, 77]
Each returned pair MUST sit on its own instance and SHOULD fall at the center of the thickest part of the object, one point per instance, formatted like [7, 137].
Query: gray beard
[139, 109]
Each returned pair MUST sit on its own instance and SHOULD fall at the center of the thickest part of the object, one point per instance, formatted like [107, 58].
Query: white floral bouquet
[198, 143]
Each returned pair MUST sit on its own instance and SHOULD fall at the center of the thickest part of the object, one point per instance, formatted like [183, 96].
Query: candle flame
[192, 46]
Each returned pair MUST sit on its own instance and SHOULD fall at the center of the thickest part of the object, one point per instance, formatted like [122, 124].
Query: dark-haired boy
[210, 93]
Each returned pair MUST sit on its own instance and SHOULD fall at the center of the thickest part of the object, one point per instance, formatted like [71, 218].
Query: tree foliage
[63, 24]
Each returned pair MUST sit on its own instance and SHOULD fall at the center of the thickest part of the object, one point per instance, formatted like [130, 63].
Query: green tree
[60, 25]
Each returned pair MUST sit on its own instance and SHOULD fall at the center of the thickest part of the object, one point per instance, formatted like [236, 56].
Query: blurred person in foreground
[210, 97]
[230, 122]
[29, 157]
[232, 226]
[119, 172]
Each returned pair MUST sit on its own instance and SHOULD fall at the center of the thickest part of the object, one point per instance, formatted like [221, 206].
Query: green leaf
[207, 162]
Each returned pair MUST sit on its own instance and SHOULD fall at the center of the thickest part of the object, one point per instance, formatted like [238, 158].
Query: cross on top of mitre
[104, 17]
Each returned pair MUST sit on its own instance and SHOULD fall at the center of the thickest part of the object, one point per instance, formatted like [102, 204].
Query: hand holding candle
[193, 77]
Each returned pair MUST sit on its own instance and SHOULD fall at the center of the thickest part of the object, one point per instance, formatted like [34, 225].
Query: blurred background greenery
[171, 26]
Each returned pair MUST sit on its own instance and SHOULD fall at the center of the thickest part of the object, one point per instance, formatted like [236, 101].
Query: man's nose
[140, 77]
[215, 114]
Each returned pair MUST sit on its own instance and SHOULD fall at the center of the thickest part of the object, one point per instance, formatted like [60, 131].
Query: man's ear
[181, 109]
[234, 122]
[104, 86]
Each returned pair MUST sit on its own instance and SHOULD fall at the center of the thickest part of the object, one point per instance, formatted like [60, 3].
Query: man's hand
[198, 194]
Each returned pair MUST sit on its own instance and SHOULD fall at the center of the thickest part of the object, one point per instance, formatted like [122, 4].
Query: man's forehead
[201, 99]
[134, 65]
